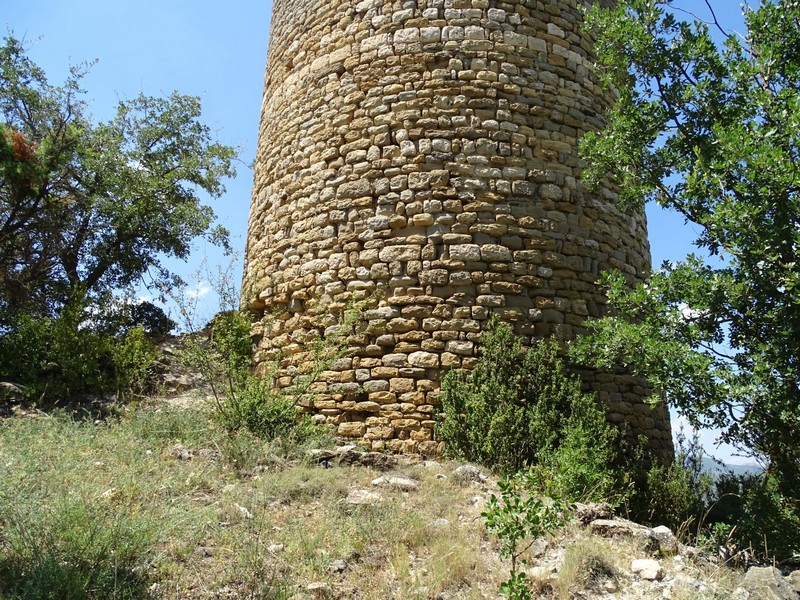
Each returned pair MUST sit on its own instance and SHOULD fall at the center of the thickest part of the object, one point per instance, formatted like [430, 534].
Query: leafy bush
[151, 318]
[259, 409]
[752, 519]
[133, 358]
[519, 408]
[56, 357]
[676, 495]
[244, 401]
[745, 517]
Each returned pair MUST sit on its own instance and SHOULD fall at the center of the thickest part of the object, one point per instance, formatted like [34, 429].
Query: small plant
[519, 518]
[587, 564]
[676, 495]
[133, 358]
[751, 520]
[223, 354]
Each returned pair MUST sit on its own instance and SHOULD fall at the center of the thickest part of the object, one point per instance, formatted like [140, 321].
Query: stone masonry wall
[422, 155]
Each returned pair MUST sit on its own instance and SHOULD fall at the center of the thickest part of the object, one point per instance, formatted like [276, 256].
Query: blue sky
[216, 51]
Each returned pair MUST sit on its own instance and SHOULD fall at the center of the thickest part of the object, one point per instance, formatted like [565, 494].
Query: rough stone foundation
[421, 157]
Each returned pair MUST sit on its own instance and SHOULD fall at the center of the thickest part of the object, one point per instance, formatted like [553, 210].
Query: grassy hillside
[159, 502]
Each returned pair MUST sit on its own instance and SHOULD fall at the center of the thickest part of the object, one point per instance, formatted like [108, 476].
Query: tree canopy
[711, 130]
[88, 207]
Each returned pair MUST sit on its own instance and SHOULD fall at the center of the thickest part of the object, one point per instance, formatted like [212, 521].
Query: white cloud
[201, 289]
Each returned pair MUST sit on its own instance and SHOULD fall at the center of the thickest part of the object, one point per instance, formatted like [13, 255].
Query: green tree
[710, 130]
[88, 208]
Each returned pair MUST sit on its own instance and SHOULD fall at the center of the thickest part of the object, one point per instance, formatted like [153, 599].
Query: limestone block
[353, 430]
[401, 325]
[406, 36]
[424, 359]
[378, 385]
[452, 32]
[465, 252]
[399, 385]
[383, 397]
[354, 189]
[495, 253]
[429, 35]
[400, 253]
[460, 347]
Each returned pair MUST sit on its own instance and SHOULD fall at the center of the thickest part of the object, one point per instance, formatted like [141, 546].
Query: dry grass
[160, 503]
[216, 516]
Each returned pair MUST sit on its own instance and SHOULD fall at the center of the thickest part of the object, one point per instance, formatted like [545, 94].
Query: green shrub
[519, 408]
[674, 497]
[751, 518]
[259, 409]
[242, 400]
[133, 358]
[677, 495]
[746, 517]
[58, 357]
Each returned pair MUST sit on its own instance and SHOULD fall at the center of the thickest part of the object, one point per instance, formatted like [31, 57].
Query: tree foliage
[87, 208]
[710, 130]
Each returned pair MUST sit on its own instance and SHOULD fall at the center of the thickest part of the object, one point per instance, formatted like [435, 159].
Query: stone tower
[421, 156]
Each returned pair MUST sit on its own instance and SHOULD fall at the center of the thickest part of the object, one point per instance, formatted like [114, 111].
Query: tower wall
[421, 157]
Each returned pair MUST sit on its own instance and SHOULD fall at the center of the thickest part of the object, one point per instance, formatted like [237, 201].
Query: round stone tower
[419, 157]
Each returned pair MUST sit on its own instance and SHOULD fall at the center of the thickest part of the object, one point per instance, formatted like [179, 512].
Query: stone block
[424, 359]
[352, 430]
[465, 252]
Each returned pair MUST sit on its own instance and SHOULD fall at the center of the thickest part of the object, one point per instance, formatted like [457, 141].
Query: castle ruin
[421, 156]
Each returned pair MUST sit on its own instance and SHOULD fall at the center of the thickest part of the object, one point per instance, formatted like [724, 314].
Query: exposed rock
[586, 513]
[620, 527]
[375, 460]
[318, 589]
[794, 580]
[647, 568]
[181, 453]
[338, 566]
[767, 583]
[683, 585]
[405, 484]
[361, 496]
[321, 456]
[667, 542]
[467, 474]
[177, 383]
[11, 391]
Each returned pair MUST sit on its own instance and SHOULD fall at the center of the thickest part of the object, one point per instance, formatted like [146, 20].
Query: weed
[519, 519]
[587, 565]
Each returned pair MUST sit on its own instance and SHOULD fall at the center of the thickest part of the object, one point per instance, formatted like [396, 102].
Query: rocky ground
[597, 556]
